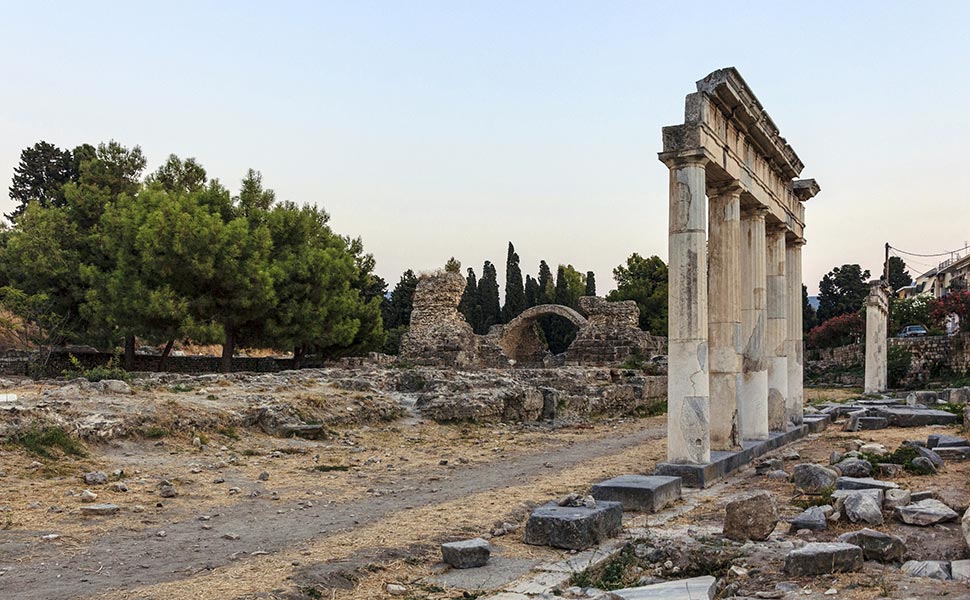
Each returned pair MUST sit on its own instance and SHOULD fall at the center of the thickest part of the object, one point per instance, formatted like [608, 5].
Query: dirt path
[123, 559]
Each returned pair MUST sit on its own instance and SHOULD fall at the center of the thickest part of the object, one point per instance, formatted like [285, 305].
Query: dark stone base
[639, 493]
[906, 416]
[573, 527]
[724, 463]
[869, 423]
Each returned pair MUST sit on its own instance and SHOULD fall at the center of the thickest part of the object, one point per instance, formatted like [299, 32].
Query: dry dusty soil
[262, 517]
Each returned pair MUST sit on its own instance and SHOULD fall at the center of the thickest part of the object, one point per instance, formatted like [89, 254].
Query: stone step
[639, 493]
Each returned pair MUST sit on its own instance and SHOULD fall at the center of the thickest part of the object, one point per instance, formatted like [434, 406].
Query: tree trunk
[130, 353]
[298, 353]
[165, 353]
[228, 347]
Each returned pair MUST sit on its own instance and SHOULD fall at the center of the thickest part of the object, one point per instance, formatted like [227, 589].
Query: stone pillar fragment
[795, 347]
[776, 352]
[753, 397]
[688, 403]
[877, 342]
[724, 314]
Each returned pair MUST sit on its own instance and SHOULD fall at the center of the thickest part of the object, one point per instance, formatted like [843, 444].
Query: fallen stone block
[896, 498]
[864, 483]
[931, 455]
[960, 570]
[862, 508]
[854, 467]
[927, 495]
[953, 452]
[965, 526]
[876, 545]
[819, 558]
[750, 517]
[911, 416]
[889, 469]
[466, 554]
[813, 479]
[684, 589]
[99, 510]
[839, 496]
[814, 518]
[639, 493]
[939, 440]
[573, 527]
[925, 513]
[959, 395]
[937, 569]
[871, 423]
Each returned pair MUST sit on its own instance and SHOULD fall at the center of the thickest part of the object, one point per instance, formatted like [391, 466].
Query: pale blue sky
[446, 128]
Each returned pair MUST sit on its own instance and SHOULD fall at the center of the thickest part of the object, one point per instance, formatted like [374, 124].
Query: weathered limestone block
[820, 558]
[639, 493]
[876, 545]
[466, 554]
[751, 517]
[439, 334]
[925, 513]
[813, 479]
[936, 569]
[573, 527]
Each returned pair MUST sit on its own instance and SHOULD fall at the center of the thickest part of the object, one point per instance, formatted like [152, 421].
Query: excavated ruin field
[367, 502]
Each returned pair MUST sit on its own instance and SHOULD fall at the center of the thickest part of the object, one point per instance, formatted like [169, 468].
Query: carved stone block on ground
[820, 558]
[466, 554]
[876, 545]
[573, 527]
[639, 493]
[751, 517]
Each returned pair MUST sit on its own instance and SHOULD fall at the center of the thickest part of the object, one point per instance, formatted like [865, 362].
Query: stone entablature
[725, 123]
[735, 348]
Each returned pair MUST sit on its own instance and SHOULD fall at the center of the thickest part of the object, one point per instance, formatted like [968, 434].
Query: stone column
[777, 332]
[753, 396]
[724, 314]
[688, 403]
[795, 347]
[877, 327]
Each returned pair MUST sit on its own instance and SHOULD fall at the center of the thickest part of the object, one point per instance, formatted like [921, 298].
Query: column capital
[776, 228]
[754, 212]
[691, 160]
[731, 188]
[796, 241]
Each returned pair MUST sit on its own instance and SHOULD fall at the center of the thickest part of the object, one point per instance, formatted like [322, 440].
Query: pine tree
[398, 309]
[488, 297]
[590, 283]
[453, 265]
[514, 290]
[546, 285]
[531, 291]
[469, 305]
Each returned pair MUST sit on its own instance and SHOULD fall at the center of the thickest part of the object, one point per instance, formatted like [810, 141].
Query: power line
[950, 253]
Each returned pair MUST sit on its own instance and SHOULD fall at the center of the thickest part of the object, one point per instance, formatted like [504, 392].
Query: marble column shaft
[795, 347]
[877, 342]
[775, 351]
[753, 395]
[724, 314]
[688, 402]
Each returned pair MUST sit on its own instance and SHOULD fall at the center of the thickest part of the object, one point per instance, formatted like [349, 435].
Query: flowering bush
[954, 302]
[837, 331]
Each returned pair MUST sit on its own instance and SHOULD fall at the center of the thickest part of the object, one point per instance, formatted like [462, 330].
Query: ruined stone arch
[519, 338]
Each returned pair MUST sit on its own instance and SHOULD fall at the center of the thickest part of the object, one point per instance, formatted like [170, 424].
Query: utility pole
[885, 266]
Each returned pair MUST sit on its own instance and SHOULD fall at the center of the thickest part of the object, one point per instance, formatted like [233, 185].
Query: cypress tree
[469, 305]
[531, 291]
[488, 297]
[590, 283]
[398, 311]
[514, 290]
[562, 287]
[546, 285]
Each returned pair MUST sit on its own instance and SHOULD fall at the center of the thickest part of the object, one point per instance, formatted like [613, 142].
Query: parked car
[913, 331]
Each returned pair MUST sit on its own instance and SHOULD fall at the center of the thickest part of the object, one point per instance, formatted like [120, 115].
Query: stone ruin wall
[440, 336]
[930, 356]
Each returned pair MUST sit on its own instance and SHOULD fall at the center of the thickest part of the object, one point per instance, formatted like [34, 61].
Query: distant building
[950, 275]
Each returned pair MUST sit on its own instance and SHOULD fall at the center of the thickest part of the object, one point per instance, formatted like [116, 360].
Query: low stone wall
[932, 357]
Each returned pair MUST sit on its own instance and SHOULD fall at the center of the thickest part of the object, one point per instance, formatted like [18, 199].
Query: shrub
[837, 331]
[109, 370]
[41, 441]
[954, 302]
[898, 362]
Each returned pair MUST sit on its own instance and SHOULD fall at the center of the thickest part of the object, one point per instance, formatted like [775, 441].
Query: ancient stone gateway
[877, 338]
[519, 338]
[735, 346]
